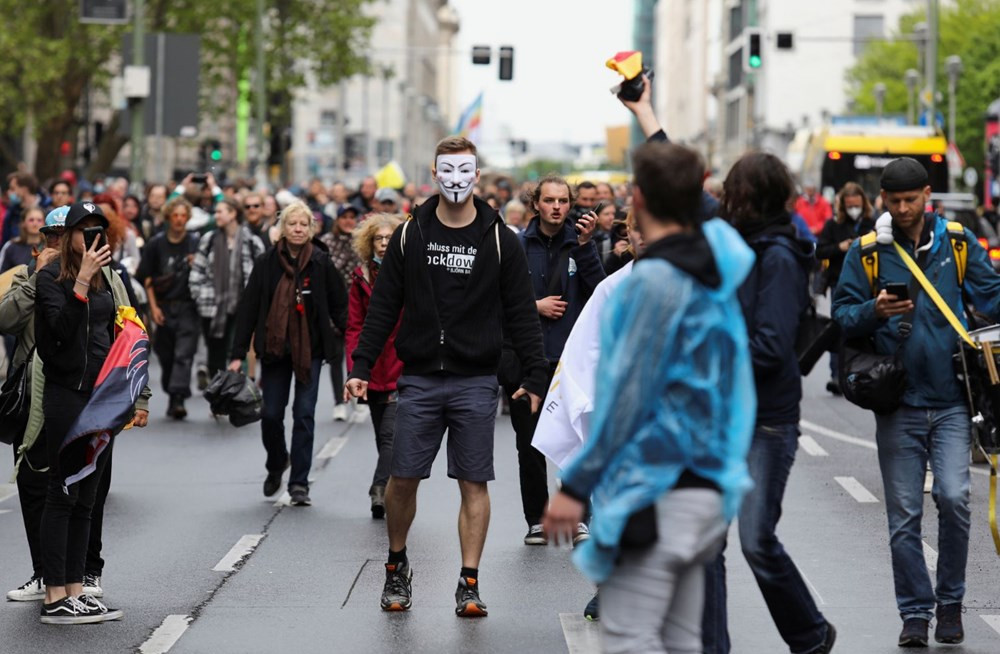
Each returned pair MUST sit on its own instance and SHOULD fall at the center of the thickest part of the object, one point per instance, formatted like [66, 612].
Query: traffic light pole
[930, 65]
[137, 107]
[260, 159]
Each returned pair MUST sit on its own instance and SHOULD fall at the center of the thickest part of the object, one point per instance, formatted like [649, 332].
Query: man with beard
[456, 273]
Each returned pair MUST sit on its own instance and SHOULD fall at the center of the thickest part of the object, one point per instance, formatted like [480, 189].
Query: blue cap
[56, 219]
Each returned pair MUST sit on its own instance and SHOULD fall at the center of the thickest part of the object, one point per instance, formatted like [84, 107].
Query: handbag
[817, 334]
[15, 402]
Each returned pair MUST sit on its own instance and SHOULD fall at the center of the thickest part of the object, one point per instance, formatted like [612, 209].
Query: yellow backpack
[869, 254]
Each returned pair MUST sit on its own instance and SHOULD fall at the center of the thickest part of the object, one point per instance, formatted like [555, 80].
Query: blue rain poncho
[674, 391]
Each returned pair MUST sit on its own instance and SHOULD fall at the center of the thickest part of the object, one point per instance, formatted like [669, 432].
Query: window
[735, 69]
[733, 120]
[865, 29]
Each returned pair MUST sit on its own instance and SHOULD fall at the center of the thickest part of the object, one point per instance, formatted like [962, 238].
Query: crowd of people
[656, 323]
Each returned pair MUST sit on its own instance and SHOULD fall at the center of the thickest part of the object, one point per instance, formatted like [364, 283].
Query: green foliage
[969, 29]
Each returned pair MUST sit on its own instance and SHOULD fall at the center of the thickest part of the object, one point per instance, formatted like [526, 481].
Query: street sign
[971, 177]
[172, 103]
[104, 12]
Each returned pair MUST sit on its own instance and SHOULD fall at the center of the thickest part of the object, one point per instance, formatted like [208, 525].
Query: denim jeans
[792, 608]
[906, 440]
[276, 378]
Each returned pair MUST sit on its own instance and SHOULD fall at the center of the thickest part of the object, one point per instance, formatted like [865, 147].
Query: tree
[968, 28]
[53, 59]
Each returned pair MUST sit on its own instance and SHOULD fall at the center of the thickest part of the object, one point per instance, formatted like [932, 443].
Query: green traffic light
[216, 155]
[755, 61]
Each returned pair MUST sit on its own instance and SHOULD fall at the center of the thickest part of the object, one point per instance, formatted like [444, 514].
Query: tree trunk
[107, 150]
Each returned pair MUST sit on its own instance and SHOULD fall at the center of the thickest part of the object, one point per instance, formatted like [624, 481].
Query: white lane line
[2, 511]
[166, 635]
[284, 500]
[811, 447]
[332, 447]
[242, 549]
[993, 621]
[7, 490]
[857, 491]
[931, 556]
[582, 637]
[823, 431]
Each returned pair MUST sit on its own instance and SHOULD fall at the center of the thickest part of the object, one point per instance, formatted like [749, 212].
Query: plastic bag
[233, 394]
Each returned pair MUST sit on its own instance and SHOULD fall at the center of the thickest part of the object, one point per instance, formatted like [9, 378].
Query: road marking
[931, 556]
[242, 549]
[582, 637]
[809, 583]
[284, 500]
[854, 440]
[2, 511]
[993, 621]
[166, 635]
[7, 490]
[857, 491]
[811, 447]
[332, 447]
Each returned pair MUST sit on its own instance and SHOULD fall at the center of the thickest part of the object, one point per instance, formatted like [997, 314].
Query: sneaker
[833, 386]
[377, 494]
[949, 624]
[176, 409]
[831, 638]
[467, 599]
[914, 633]
[581, 534]
[300, 496]
[272, 483]
[398, 590]
[536, 536]
[31, 591]
[202, 378]
[70, 610]
[592, 612]
[92, 586]
[340, 413]
[93, 603]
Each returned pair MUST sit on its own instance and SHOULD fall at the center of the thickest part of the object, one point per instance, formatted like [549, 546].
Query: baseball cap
[346, 209]
[387, 195]
[56, 219]
[81, 210]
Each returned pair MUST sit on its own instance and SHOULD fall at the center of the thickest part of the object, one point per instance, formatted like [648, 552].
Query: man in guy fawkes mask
[456, 251]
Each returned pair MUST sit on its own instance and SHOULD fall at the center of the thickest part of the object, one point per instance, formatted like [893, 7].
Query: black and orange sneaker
[397, 591]
[467, 598]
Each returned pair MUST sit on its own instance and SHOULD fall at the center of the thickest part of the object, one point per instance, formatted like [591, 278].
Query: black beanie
[904, 174]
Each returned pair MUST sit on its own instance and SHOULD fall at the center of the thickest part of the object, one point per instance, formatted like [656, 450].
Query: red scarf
[286, 320]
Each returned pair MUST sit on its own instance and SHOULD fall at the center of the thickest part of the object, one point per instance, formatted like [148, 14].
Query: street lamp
[953, 65]
[879, 91]
[911, 79]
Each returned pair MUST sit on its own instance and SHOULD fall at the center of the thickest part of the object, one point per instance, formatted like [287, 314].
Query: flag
[469, 121]
[123, 376]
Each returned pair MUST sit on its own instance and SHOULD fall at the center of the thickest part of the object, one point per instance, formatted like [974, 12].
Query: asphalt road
[186, 494]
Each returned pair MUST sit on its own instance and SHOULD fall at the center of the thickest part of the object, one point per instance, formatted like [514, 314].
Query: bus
[839, 153]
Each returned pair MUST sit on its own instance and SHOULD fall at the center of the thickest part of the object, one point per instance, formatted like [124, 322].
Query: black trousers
[384, 420]
[337, 370]
[218, 348]
[31, 489]
[531, 462]
[175, 345]
[65, 527]
[94, 564]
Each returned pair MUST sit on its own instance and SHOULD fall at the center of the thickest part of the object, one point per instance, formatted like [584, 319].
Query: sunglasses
[251, 206]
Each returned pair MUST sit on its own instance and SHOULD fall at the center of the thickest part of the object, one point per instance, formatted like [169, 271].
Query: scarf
[227, 279]
[286, 320]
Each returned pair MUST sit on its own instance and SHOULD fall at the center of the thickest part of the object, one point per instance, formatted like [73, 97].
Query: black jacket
[73, 337]
[828, 245]
[773, 298]
[324, 297]
[498, 293]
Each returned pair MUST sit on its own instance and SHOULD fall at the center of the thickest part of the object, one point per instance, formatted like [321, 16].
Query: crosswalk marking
[856, 490]
[811, 447]
[582, 637]
[166, 635]
[242, 549]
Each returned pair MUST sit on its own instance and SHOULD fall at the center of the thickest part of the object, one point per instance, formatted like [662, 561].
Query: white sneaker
[360, 414]
[92, 586]
[340, 413]
[29, 592]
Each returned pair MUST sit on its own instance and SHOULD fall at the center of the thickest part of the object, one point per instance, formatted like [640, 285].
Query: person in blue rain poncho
[673, 417]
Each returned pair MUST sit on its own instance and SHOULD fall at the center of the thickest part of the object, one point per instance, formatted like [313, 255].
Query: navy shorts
[430, 404]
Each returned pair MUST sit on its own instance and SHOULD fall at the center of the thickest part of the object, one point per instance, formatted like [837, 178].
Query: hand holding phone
[92, 234]
[900, 290]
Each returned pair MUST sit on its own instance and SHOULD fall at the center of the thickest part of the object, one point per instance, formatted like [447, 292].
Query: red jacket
[815, 213]
[388, 367]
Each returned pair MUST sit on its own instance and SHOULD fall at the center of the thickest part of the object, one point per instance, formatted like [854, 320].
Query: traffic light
[481, 55]
[506, 63]
[209, 153]
[752, 49]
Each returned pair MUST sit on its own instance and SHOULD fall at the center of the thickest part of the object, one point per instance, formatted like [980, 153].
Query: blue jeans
[792, 608]
[276, 378]
[906, 440]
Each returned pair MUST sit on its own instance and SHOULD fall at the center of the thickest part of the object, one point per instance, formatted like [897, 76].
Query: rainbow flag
[470, 120]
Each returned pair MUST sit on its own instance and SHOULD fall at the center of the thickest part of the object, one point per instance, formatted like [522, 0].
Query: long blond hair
[364, 234]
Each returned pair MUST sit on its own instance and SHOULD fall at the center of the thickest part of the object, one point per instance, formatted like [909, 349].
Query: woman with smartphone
[75, 310]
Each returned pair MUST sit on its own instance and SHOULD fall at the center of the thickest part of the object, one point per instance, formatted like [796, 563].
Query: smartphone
[199, 178]
[901, 291]
[91, 234]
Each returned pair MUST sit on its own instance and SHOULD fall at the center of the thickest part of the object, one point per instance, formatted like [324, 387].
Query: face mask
[456, 176]
[377, 259]
[854, 212]
[14, 198]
